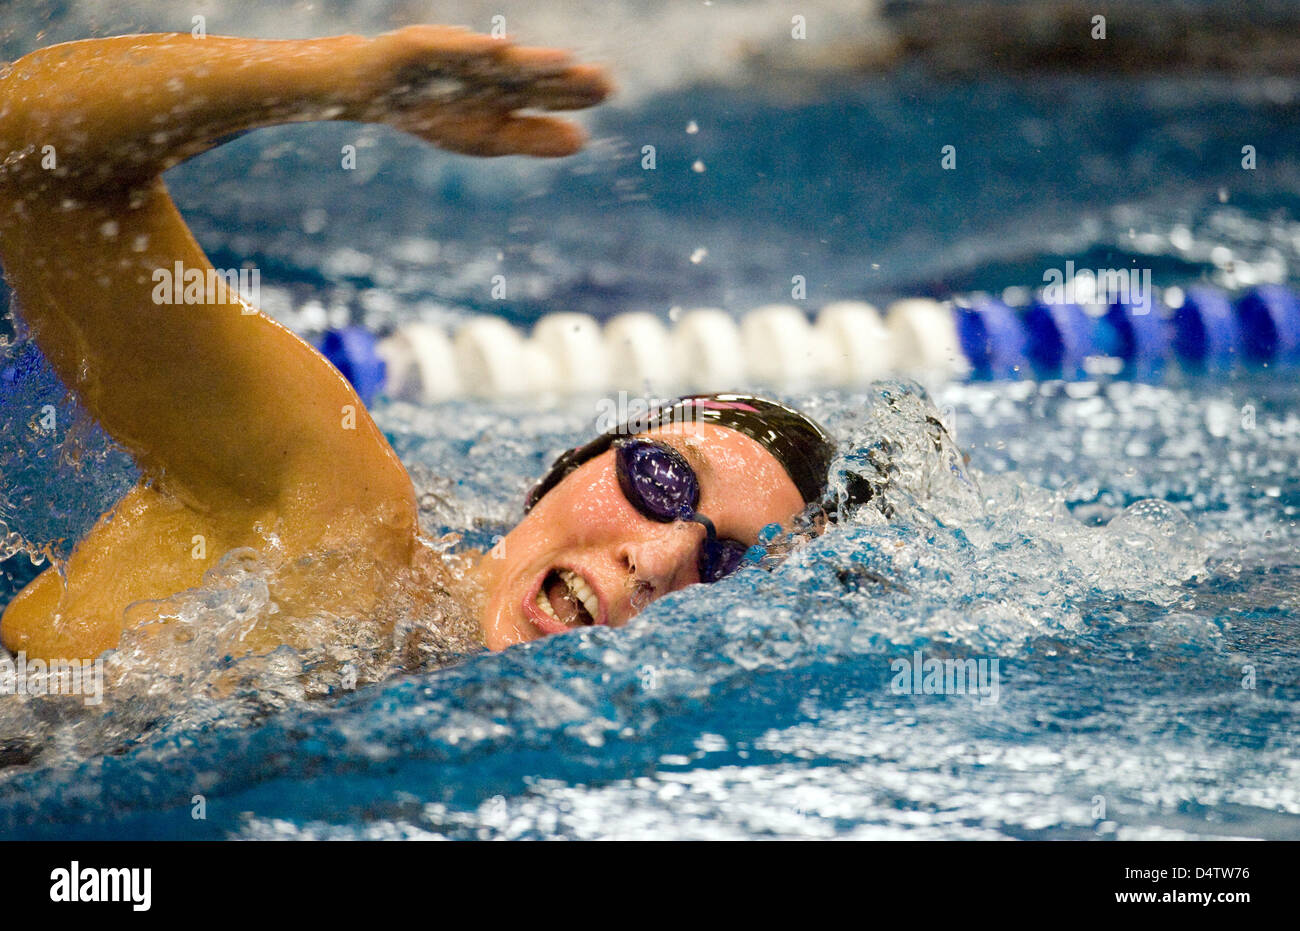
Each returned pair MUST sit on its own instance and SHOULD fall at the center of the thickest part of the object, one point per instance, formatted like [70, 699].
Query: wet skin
[245, 435]
[587, 526]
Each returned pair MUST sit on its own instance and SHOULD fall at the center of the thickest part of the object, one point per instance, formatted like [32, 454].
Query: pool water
[766, 705]
[1126, 553]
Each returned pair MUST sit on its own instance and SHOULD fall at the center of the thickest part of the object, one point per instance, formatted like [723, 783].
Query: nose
[664, 558]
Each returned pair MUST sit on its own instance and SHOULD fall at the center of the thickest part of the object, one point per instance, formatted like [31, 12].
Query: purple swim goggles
[658, 481]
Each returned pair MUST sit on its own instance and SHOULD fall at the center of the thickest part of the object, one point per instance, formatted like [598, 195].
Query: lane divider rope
[848, 343]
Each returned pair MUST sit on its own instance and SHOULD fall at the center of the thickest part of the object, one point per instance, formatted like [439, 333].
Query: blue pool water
[763, 705]
[1148, 655]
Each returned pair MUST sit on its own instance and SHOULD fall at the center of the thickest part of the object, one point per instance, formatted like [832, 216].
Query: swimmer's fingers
[493, 134]
[547, 78]
[575, 88]
[464, 91]
[429, 65]
[477, 58]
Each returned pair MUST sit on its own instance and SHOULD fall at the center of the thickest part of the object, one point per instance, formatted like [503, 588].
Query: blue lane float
[992, 339]
[850, 344]
[1059, 337]
[1269, 316]
[1138, 336]
[1206, 335]
[353, 351]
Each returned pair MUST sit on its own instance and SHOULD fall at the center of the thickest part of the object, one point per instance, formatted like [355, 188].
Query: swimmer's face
[585, 539]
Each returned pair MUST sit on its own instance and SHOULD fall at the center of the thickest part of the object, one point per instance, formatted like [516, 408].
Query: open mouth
[564, 601]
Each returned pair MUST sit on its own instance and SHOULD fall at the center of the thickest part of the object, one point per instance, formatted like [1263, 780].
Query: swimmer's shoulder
[156, 543]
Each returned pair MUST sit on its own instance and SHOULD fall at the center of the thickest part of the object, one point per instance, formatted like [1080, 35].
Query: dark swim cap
[795, 440]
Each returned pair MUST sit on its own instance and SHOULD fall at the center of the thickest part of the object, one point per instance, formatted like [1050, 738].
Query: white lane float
[776, 345]
[640, 353]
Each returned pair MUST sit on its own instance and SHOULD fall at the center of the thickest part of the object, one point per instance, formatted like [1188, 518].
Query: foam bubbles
[1046, 550]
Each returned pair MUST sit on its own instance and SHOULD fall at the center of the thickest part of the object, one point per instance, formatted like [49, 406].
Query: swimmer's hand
[464, 91]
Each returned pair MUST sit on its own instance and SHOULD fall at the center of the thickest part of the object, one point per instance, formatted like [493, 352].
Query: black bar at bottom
[335, 880]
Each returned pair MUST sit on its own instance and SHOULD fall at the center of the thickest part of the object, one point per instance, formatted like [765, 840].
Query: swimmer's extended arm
[223, 405]
[126, 108]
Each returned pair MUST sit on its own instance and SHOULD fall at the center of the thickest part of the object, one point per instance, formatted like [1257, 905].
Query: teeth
[545, 603]
[582, 591]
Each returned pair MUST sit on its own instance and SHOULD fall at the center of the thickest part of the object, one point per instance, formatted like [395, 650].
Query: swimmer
[245, 436]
